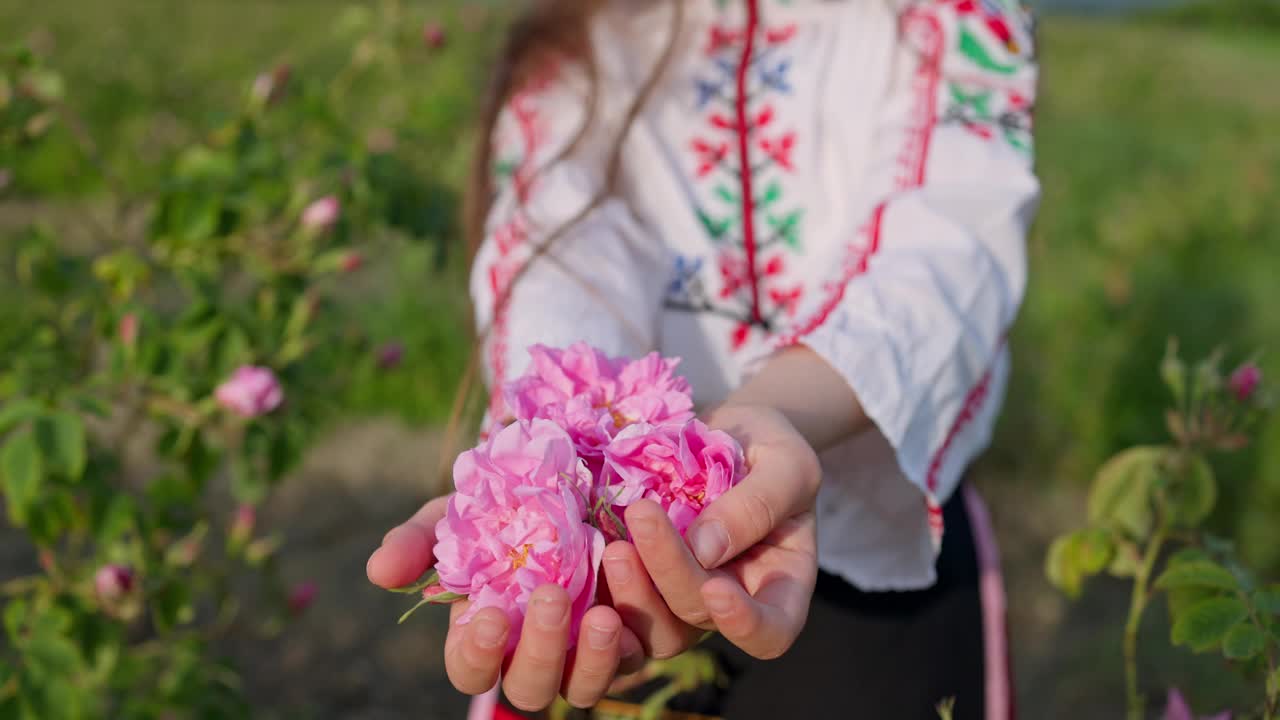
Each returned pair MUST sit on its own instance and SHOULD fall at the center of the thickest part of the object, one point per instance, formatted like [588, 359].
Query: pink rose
[390, 355]
[113, 582]
[594, 396]
[1244, 381]
[250, 392]
[683, 468]
[322, 214]
[300, 597]
[433, 35]
[1178, 709]
[352, 262]
[517, 522]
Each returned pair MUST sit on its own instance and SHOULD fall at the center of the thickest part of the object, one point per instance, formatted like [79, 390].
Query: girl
[821, 206]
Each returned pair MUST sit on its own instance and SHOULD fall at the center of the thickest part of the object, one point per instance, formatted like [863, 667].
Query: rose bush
[174, 347]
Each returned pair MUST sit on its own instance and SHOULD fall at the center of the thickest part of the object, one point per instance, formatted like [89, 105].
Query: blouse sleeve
[918, 322]
[541, 277]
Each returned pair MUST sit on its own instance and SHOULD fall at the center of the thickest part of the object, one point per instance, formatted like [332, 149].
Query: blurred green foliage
[1157, 153]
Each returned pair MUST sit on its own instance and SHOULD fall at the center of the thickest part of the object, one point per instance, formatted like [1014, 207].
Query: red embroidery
[777, 36]
[513, 235]
[744, 219]
[788, 300]
[744, 156]
[855, 264]
[968, 412]
[721, 38]
[912, 160]
[709, 155]
[780, 150]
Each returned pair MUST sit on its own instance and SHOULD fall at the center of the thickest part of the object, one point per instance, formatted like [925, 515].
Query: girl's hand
[750, 563]
[542, 665]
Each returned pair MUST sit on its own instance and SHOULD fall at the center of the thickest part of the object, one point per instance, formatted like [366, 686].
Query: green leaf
[430, 577]
[1120, 497]
[15, 614]
[63, 444]
[114, 519]
[1243, 641]
[1182, 599]
[1197, 574]
[1204, 625]
[17, 411]
[53, 654]
[171, 606]
[1073, 558]
[1267, 600]
[93, 405]
[23, 468]
[1193, 493]
[1126, 560]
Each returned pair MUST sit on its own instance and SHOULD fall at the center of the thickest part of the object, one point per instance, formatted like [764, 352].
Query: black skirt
[879, 655]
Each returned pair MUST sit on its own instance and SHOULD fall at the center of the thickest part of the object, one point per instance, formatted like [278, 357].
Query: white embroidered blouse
[852, 175]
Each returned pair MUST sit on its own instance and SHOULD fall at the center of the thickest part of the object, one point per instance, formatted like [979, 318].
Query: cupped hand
[543, 665]
[749, 564]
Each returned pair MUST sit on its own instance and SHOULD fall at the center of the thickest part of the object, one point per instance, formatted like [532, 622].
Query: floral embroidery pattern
[994, 38]
[516, 168]
[741, 155]
[924, 31]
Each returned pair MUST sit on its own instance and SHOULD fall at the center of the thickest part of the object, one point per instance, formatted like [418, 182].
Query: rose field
[233, 323]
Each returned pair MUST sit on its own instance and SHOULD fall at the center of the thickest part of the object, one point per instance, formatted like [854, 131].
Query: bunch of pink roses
[536, 501]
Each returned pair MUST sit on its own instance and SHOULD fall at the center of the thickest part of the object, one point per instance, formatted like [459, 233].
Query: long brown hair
[548, 31]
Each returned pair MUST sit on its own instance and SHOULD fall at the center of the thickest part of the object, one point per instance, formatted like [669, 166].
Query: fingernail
[618, 570]
[548, 613]
[488, 634]
[641, 528]
[710, 541]
[719, 603]
[601, 638]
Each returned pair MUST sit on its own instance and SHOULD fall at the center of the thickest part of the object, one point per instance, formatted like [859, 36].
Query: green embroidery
[503, 169]
[727, 195]
[715, 228]
[787, 228]
[771, 195]
[1017, 141]
[980, 101]
[972, 48]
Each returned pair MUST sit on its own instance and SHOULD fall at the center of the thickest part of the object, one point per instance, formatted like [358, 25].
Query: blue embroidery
[685, 274]
[776, 77]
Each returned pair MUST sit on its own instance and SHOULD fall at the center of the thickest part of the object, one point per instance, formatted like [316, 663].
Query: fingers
[405, 552]
[473, 652]
[668, 561]
[783, 482]
[643, 611]
[765, 626]
[534, 677]
[595, 660]
[632, 651]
